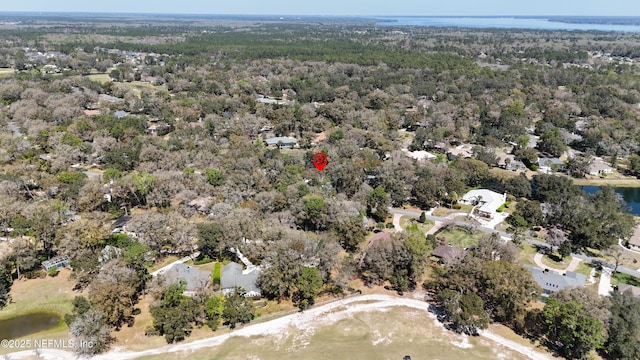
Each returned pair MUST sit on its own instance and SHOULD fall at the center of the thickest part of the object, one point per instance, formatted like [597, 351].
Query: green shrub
[70, 177]
[204, 260]
[111, 174]
[501, 208]
[53, 272]
[214, 177]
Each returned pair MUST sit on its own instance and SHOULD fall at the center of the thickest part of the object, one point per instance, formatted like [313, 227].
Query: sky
[337, 7]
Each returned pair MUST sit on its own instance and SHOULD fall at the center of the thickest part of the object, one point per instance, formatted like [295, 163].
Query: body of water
[27, 324]
[631, 196]
[502, 23]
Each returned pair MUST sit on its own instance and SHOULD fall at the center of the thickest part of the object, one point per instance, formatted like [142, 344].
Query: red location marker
[320, 160]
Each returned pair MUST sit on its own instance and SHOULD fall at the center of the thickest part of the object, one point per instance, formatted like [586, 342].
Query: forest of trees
[77, 152]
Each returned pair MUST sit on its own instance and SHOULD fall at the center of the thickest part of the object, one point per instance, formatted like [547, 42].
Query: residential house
[551, 281]
[194, 278]
[547, 165]
[121, 114]
[516, 165]
[462, 151]
[598, 167]
[159, 129]
[419, 155]
[634, 241]
[56, 263]
[486, 201]
[282, 142]
[119, 226]
[633, 290]
[234, 276]
[379, 236]
[448, 253]
[109, 252]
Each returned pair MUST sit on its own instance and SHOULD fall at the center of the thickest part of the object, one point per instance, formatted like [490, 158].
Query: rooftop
[635, 238]
[634, 290]
[448, 252]
[490, 200]
[597, 165]
[233, 276]
[551, 281]
[195, 278]
[281, 139]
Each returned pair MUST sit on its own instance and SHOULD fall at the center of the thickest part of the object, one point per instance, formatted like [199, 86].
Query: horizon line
[302, 15]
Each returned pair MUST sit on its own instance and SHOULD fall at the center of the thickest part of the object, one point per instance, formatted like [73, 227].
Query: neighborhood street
[506, 235]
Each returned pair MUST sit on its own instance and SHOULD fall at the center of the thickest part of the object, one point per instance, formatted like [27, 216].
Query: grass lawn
[53, 294]
[50, 294]
[620, 278]
[164, 262]
[217, 273]
[616, 180]
[555, 262]
[527, 253]
[444, 211]
[585, 268]
[459, 237]
[101, 78]
[6, 72]
[391, 334]
[406, 221]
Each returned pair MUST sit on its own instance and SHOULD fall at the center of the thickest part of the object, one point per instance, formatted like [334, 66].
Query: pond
[24, 325]
[631, 196]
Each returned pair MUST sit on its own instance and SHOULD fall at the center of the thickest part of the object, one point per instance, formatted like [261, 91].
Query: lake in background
[631, 196]
[502, 23]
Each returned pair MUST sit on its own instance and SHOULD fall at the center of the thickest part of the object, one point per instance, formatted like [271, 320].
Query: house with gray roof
[194, 278]
[551, 281]
[282, 142]
[549, 165]
[633, 290]
[233, 276]
[448, 253]
[634, 241]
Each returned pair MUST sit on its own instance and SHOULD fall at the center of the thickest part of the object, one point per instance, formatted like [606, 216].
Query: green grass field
[406, 221]
[460, 237]
[620, 278]
[101, 78]
[363, 335]
[217, 273]
[50, 294]
[6, 72]
[527, 253]
[555, 262]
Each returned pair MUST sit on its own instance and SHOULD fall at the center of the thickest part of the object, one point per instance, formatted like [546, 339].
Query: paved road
[503, 234]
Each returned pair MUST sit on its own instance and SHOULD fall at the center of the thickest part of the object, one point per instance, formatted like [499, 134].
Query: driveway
[573, 265]
[604, 287]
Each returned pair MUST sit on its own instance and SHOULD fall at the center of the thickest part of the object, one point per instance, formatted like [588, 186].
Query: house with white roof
[486, 201]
